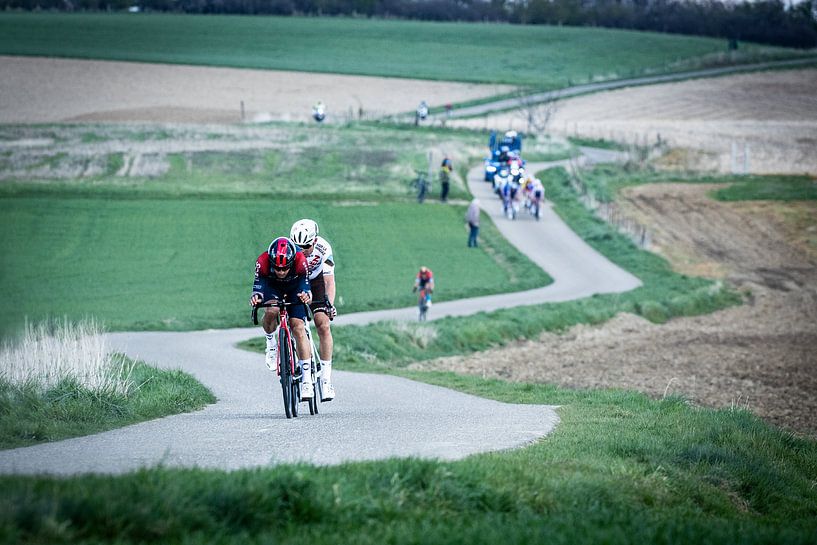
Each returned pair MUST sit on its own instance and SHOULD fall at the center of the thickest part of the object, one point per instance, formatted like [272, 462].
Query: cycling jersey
[271, 287]
[424, 279]
[321, 259]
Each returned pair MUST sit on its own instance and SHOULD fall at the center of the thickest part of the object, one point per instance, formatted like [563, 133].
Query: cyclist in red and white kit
[281, 271]
[321, 265]
[425, 281]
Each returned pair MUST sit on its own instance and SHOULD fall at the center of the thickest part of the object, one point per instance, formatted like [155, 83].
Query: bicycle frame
[284, 329]
[291, 380]
[422, 302]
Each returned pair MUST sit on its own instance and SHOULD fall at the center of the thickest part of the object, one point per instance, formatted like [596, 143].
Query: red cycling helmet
[281, 253]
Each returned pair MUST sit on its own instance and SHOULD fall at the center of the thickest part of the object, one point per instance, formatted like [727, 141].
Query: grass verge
[619, 469]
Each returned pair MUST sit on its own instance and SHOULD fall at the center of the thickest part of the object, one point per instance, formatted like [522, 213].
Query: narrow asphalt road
[575, 90]
[374, 416]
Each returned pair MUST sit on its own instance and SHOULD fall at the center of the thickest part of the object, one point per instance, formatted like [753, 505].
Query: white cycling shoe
[271, 359]
[307, 391]
[327, 391]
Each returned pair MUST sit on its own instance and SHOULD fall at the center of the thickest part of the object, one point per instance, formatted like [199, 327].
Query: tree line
[762, 21]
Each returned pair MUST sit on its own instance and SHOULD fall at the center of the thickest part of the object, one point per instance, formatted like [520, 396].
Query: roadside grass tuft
[30, 414]
[60, 381]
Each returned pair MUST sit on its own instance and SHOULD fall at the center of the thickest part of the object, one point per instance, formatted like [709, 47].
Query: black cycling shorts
[291, 294]
[319, 300]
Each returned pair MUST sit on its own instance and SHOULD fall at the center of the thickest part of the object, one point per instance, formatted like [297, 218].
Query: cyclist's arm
[329, 282]
[257, 295]
[302, 272]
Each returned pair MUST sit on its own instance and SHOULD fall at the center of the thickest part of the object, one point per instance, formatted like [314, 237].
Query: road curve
[374, 416]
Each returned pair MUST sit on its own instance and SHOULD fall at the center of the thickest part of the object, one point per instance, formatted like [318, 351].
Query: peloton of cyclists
[282, 271]
[321, 265]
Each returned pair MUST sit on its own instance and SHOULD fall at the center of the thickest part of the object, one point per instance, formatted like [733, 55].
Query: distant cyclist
[424, 281]
[321, 265]
[281, 271]
[319, 111]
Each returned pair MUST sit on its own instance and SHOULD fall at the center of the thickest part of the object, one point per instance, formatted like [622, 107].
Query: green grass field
[177, 250]
[188, 263]
[536, 56]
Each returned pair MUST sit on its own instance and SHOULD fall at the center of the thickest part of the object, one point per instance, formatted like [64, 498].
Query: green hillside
[539, 56]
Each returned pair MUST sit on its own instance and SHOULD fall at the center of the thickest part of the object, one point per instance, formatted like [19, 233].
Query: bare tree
[536, 114]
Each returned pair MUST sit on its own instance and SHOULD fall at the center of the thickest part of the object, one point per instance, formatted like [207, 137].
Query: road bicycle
[287, 364]
[423, 302]
[535, 207]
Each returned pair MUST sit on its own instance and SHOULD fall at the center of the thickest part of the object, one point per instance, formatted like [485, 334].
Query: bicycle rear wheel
[287, 380]
[422, 307]
[316, 395]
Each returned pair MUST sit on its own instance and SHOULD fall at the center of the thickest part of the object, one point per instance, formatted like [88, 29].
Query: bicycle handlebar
[280, 304]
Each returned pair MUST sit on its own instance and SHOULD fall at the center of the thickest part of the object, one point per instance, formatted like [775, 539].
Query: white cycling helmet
[304, 232]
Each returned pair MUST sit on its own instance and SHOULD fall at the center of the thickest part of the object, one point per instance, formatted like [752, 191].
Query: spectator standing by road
[445, 178]
[422, 187]
[472, 219]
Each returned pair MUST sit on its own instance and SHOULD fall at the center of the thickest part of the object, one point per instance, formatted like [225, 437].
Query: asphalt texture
[373, 417]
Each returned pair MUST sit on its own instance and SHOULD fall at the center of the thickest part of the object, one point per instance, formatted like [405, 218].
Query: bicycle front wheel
[295, 387]
[287, 380]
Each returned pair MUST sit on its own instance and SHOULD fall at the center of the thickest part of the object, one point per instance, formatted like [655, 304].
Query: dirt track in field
[760, 355]
[44, 90]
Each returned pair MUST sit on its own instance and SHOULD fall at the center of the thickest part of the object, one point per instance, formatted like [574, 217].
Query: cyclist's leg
[303, 347]
[270, 323]
[321, 317]
[325, 353]
[299, 333]
[271, 320]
